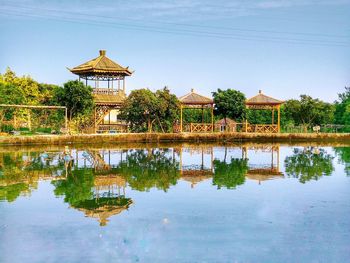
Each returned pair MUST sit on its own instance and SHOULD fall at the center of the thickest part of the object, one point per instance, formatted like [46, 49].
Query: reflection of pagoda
[264, 172]
[108, 200]
[196, 173]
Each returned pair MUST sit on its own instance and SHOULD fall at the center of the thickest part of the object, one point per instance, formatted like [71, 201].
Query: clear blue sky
[285, 48]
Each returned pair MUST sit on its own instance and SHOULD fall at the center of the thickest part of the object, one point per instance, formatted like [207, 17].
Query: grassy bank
[172, 137]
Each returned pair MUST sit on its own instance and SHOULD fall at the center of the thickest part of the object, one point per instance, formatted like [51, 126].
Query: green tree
[309, 164]
[229, 104]
[342, 108]
[308, 111]
[148, 111]
[76, 97]
[168, 111]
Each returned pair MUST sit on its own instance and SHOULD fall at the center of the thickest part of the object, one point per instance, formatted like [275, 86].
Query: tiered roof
[101, 65]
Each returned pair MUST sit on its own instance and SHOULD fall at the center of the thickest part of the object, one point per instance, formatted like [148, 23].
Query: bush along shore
[173, 137]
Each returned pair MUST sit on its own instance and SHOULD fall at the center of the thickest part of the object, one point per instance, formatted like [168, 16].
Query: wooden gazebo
[110, 95]
[194, 100]
[263, 102]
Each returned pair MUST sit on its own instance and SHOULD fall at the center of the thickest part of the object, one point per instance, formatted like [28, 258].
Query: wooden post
[124, 85]
[180, 118]
[279, 118]
[246, 125]
[29, 121]
[66, 119]
[95, 125]
[212, 118]
[273, 115]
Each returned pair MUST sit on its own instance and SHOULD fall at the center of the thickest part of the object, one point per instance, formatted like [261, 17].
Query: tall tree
[229, 103]
[148, 111]
[76, 97]
[308, 111]
[342, 108]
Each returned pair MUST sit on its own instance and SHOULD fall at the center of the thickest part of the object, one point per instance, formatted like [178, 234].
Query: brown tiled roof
[193, 98]
[101, 65]
[262, 99]
[108, 99]
[228, 121]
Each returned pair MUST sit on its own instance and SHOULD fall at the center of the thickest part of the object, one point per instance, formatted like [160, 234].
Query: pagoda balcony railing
[107, 91]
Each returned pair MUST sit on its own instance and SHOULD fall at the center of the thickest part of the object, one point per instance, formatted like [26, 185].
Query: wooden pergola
[263, 102]
[194, 100]
[110, 95]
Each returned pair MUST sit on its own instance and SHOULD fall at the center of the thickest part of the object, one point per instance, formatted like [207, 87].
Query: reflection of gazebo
[107, 99]
[193, 100]
[196, 173]
[263, 102]
[263, 172]
[108, 203]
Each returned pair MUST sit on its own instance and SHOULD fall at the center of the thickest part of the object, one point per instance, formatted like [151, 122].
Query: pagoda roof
[262, 99]
[194, 98]
[102, 65]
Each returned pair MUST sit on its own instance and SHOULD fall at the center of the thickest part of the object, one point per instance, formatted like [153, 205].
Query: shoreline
[90, 139]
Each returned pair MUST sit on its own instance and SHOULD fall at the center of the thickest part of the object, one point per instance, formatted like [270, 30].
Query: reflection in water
[97, 186]
[309, 163]
[344, 157]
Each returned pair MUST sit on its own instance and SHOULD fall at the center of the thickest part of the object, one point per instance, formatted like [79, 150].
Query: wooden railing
[104, 128]
[262, 128]
[193, 127]
[105, 91]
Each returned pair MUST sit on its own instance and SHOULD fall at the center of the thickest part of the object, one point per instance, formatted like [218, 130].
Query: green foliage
[144, 170]
[308, 111]
[230, 104]
[342, 108]
[76, 97]
[309, 164]
[259, 116]
[148, 111]
[344, 156]
[77, 187]
[230, 174]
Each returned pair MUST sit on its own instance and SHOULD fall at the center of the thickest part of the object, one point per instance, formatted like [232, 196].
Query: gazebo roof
[194, 98]
[262, 99]
[101, 65]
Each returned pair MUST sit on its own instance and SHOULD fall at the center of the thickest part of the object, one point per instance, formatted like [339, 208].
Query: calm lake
[175, 203]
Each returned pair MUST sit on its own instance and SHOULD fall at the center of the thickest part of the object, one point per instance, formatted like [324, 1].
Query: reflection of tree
[77, 187]
[144, 170]
[230, 174]
[344, 156]
[20, 172]
[309, 164]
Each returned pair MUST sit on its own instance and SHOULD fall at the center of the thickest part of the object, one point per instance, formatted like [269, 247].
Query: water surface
[177, 203]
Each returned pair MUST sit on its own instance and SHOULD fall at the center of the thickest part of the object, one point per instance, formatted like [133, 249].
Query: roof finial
[102, 52]
[192, 90]
[260, 91]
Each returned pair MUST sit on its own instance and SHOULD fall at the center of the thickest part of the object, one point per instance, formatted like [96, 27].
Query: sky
[284, 48]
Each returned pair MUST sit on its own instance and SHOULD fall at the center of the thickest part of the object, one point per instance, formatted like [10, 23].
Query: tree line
[157, 111]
